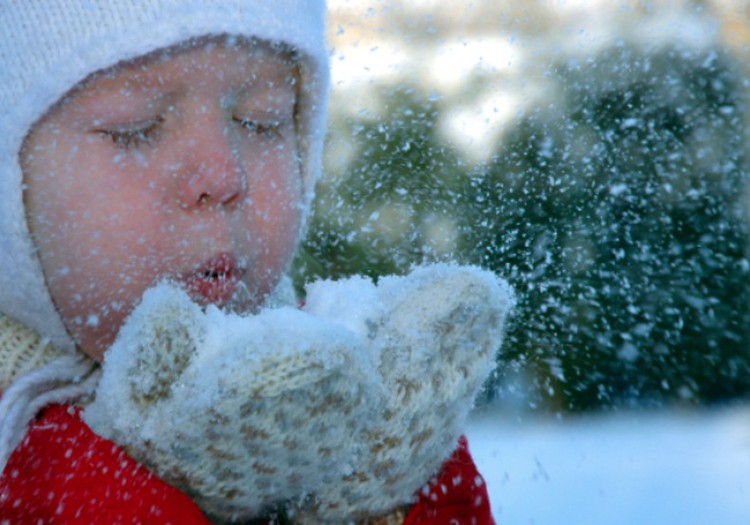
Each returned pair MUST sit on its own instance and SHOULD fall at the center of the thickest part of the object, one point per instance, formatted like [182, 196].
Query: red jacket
[63, 473]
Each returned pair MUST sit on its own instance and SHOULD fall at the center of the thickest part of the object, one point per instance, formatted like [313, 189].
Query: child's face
[183, 164]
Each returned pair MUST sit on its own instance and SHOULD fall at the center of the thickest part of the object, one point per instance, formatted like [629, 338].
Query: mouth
[215, 281]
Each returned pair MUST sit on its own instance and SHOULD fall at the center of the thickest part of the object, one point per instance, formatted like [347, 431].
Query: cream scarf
[34, 374]
[21, 351]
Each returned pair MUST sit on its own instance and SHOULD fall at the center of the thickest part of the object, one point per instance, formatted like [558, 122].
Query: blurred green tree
[377, 219]
[617, 209]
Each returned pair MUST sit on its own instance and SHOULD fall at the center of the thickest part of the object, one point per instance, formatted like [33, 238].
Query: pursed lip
[216, 280]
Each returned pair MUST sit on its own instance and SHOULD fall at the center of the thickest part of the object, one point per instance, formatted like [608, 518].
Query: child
[141, 142]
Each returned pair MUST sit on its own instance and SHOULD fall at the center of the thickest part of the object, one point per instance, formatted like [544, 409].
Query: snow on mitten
[434, 335]
[238, 412]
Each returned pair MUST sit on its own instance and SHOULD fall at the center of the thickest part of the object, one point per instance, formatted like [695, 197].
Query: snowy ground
[649, 468]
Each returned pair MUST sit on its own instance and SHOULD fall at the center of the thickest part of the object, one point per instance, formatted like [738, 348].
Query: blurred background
[594, 153]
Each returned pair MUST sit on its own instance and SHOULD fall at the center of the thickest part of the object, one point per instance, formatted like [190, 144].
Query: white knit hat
[48, 46]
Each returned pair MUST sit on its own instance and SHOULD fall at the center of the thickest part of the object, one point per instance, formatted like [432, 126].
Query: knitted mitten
[238, 412]
[433, 336]
[344, 409]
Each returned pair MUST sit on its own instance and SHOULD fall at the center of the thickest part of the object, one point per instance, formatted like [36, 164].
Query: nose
[211, 174]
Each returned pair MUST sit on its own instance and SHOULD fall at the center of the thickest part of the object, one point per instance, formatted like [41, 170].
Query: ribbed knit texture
[21, 351]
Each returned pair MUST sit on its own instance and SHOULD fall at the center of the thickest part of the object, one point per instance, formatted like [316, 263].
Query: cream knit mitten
[433, 335]
[344, 409]
[238, 412]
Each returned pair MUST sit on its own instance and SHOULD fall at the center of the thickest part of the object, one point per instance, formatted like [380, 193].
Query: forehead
[222, 62]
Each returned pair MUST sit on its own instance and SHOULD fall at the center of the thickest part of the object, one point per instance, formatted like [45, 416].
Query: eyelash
[135, 138]
[270, 130]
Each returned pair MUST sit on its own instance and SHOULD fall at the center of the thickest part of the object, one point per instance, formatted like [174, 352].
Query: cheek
[96, 270]
[280, 197]
[273, 214]
[98, 229]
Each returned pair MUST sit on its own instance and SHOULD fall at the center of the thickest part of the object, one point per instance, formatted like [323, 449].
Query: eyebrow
[112, 101]
[140, 78]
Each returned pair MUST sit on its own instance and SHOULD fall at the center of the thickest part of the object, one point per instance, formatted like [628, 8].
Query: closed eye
[270, 129]
[135, 136]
